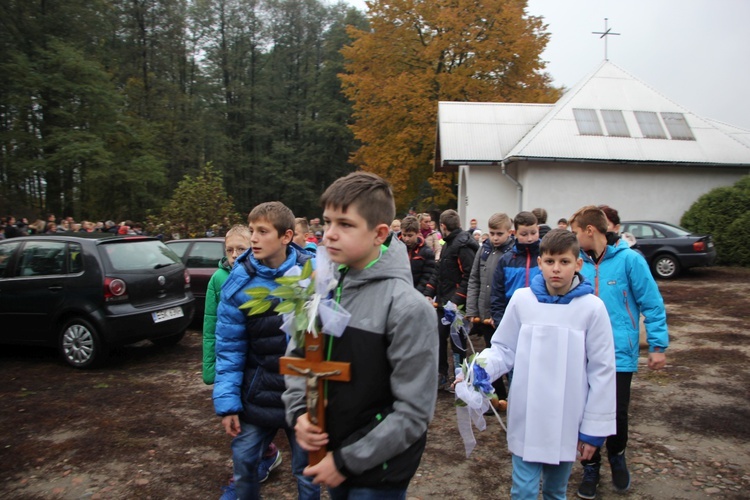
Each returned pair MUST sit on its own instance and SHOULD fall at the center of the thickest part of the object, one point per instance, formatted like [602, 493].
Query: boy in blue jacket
[248, 385]
[236, 242]
[517, 267]
[622, 279]
[376, 424]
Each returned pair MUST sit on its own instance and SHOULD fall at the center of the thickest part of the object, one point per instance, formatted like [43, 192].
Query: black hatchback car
[669, 249]
[85, 295]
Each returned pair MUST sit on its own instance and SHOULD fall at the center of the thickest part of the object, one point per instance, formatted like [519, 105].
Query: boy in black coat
[450, 282]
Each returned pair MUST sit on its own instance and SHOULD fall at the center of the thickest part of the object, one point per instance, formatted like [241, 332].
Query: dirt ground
[143, 427]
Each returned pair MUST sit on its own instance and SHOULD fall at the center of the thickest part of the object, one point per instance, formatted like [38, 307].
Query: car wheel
[665, 266]
[169, 340]
[80, 344]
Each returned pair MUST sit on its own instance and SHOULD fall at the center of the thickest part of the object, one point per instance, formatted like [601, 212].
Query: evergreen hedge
[725, 214]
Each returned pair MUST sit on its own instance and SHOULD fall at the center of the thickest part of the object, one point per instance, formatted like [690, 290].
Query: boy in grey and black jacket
[376, 423]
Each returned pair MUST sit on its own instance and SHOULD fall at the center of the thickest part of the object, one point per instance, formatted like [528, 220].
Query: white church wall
[483, 190]
[636, 191]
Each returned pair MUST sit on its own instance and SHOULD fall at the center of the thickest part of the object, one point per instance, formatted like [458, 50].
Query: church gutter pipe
[664, 163]
[504, 164]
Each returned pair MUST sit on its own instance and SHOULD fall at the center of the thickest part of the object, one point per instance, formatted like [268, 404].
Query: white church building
[611, 140]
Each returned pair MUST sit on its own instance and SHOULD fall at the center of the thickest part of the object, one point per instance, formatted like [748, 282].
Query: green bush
[198, 204]
[738, 250]
[724, 213]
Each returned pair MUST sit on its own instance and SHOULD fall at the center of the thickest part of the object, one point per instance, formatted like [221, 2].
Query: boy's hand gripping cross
[316, 371]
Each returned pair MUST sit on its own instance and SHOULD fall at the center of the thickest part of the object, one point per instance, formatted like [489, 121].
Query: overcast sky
[695, 52]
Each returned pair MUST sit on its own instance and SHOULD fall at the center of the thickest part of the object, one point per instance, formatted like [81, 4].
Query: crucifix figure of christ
[316, 371]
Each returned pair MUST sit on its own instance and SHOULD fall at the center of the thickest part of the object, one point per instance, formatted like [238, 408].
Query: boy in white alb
[557, 338]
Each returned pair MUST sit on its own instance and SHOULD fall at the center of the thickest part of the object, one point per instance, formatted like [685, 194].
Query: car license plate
[167, 314]
[710, 244]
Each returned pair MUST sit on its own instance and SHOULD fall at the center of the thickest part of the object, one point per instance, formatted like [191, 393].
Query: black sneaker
[620, 474]
[587, 489]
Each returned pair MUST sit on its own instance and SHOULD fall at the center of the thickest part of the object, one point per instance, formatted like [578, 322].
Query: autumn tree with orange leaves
[419, 52]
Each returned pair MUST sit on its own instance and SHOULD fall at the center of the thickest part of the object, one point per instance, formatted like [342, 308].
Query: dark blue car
[670, 249]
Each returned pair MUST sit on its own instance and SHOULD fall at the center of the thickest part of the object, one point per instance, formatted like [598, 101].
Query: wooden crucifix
[316, 371]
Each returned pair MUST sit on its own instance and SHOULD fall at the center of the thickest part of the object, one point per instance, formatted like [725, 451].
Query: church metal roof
[481, 133]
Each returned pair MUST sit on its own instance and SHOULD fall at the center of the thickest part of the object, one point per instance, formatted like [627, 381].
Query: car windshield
[132, 255]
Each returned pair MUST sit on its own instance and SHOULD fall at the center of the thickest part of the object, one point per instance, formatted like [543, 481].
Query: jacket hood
[614, 246]
[392, 263]
[524, 247]
[463, 238]
[255, 267]
[224, 264]
[580, 287]
[419, 243]
[457, 233]
[487, 246]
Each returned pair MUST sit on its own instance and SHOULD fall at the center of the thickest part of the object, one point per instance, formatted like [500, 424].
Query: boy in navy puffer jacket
[518, 267]
[248, 385]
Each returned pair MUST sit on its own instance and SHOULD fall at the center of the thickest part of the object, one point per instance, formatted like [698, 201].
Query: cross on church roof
[604, 34]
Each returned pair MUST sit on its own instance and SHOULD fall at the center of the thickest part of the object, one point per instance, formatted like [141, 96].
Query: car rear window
[134, 255]
[681, 231]
[179, 247]
[205, 254]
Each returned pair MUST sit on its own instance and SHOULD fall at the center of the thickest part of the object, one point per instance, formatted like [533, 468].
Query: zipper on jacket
[596, 279]
[596, 267]
[528, 265]
[627, 308]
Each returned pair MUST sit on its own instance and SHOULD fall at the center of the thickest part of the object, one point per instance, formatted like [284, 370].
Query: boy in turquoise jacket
[622, 279]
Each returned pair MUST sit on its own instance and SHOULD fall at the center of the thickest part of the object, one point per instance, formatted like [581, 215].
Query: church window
[677, 126]
[588, 122]
[650, 125]
[615, 123]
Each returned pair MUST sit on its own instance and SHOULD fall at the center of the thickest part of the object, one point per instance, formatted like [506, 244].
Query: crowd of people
[13, 228]
[586, 256]
[558, 311]
[542, 300]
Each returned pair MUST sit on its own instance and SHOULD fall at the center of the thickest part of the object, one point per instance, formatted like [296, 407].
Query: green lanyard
[343, 270]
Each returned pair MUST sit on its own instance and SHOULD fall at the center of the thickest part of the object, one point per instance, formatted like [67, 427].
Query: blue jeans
[526, 477]
[247, 451]
[344, 493]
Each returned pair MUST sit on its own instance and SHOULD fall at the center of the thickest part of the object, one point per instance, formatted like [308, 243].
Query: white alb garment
[564, 374]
